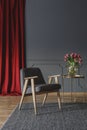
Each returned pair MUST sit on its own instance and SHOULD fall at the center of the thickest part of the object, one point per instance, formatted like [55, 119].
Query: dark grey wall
[54, 28]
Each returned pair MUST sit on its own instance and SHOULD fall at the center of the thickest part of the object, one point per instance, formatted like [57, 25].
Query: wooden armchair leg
[59, 100]
[33, 96]
[34, 102]
[24, 91]
[45, 97]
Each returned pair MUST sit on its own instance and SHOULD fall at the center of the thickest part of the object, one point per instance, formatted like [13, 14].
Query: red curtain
[11, 45]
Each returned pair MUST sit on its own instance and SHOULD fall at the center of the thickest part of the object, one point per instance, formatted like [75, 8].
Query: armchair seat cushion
[48, 87]
[45, 88]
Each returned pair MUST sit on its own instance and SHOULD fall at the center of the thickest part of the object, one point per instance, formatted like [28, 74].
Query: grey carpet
[71, 117]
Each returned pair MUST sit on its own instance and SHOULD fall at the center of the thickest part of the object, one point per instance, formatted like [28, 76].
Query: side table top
[75, 76]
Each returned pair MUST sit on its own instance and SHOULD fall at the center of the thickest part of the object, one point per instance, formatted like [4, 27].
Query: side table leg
[63, 89]
[71, 88]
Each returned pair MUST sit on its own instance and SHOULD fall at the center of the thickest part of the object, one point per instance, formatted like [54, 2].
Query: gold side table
[70, 77]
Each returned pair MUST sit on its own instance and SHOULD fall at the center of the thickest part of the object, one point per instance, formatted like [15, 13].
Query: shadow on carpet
[49, 117]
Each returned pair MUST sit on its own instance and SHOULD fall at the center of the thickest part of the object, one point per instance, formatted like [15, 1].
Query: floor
[8, 103]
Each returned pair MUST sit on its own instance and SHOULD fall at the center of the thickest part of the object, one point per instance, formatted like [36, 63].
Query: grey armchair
[32, 82]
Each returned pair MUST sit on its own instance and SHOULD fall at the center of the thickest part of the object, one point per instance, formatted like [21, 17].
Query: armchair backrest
[29, 72]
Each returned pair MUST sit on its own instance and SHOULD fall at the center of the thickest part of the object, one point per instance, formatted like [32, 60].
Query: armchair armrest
[55, 77]
[32, 81]
[33, 77]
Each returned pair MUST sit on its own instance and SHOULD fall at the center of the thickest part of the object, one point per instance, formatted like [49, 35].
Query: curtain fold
[12, 14]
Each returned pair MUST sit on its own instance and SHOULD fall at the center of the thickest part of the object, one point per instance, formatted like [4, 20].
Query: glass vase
[72, 70]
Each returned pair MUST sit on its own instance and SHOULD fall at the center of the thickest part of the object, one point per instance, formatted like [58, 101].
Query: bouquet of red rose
[73, 61]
